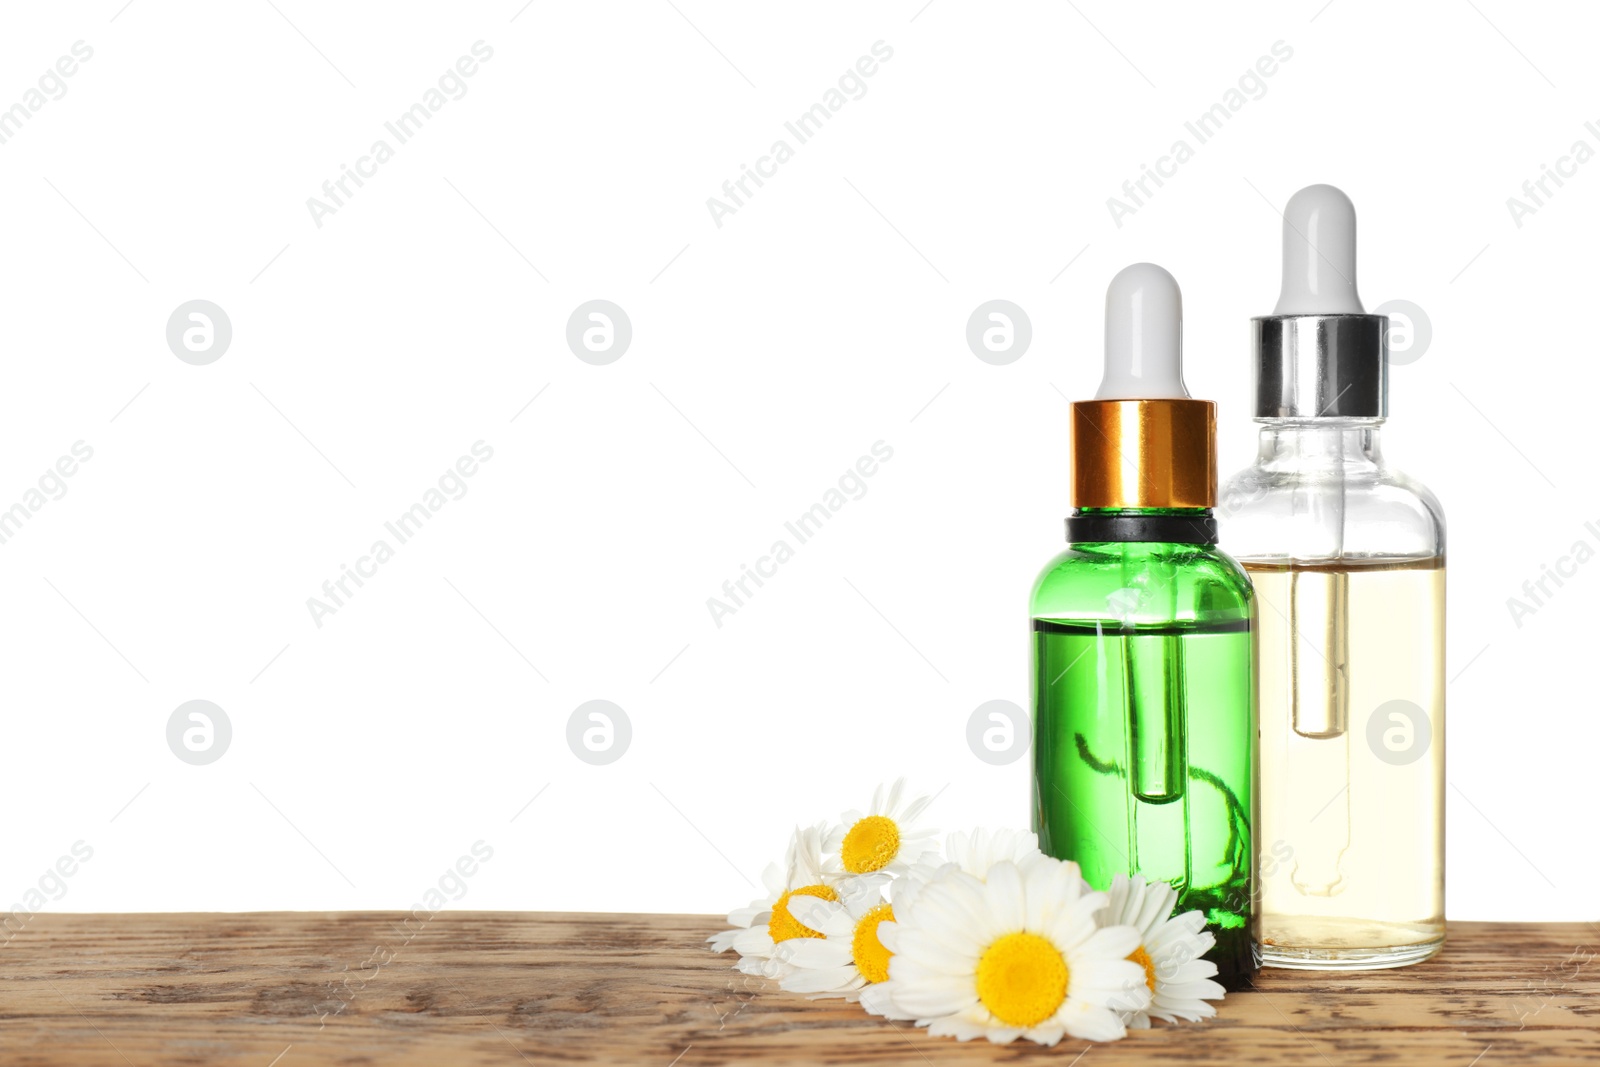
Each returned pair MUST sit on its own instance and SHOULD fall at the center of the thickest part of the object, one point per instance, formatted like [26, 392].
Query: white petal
[1053, 889]
[1074, 922]
[826, 979]
[878, 999]
[1190, 1010]
[978, 851]
[955, 906]
[862, 893]
[1046, 1034]
[753, 942]
[1004, 898]
[813, 952]
[1090, 1023]
[1117, 900]
[762, 967]
[823, 916]
[1118, 984]
[956, 1027]
[1115, 942]
[914, 809]
[885, 805]
[772, 878]
[1204, 989]
[918, 947]
[1159, 897]
[723, 940]
[927, 996]
[951, 912]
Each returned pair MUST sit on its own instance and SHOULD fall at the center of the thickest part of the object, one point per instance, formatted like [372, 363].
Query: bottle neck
[1344, 445]
[1182, 526]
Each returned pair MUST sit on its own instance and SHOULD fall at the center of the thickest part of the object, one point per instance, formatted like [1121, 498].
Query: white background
[768, 354]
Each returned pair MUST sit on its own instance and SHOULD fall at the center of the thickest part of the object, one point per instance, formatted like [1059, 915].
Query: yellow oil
[1351, 689]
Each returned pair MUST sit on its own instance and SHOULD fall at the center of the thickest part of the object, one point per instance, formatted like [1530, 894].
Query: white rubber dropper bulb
[1144, 336]
[1319, 254]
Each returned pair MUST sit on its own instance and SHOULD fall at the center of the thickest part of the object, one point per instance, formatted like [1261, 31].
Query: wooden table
[293, 989]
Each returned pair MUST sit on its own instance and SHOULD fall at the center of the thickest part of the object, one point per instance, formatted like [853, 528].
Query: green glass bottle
[1145, 734]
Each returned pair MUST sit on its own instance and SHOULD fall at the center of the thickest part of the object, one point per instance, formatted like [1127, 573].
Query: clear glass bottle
[1144, 717]
[1347, 558]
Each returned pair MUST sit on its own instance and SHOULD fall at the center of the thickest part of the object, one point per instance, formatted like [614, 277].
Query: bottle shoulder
[1142, 583]
[1380, 513]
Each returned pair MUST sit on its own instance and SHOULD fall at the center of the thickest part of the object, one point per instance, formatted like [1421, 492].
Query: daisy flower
[882, 838]
[849, 955]
[981, 849]
[767, 922]
[1170, 947]
[973, 853]
[1017, 954]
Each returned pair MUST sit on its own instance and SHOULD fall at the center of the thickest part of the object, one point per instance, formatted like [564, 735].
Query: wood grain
[477, 988]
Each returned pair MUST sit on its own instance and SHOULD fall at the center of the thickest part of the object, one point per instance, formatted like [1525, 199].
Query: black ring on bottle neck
[1172, 529]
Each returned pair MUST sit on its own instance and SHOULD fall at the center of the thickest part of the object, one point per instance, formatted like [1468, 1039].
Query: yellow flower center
[871, 845]
[1142, 958]
[783, 926]
[872, 959]
[1022, 979]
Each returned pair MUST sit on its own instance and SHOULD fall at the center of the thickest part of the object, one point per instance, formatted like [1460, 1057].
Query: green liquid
[1143, 749]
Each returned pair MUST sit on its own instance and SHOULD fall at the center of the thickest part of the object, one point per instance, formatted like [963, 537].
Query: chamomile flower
[883, 838]
[981, 849]
[973, 853]
[1017, 954]
[1170, 947]
[767, 922]
[849, 955]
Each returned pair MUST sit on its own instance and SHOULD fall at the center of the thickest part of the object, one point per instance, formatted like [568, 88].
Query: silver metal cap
[1321, 366]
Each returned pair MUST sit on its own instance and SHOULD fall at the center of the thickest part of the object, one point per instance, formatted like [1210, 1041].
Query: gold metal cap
[1144, 453]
